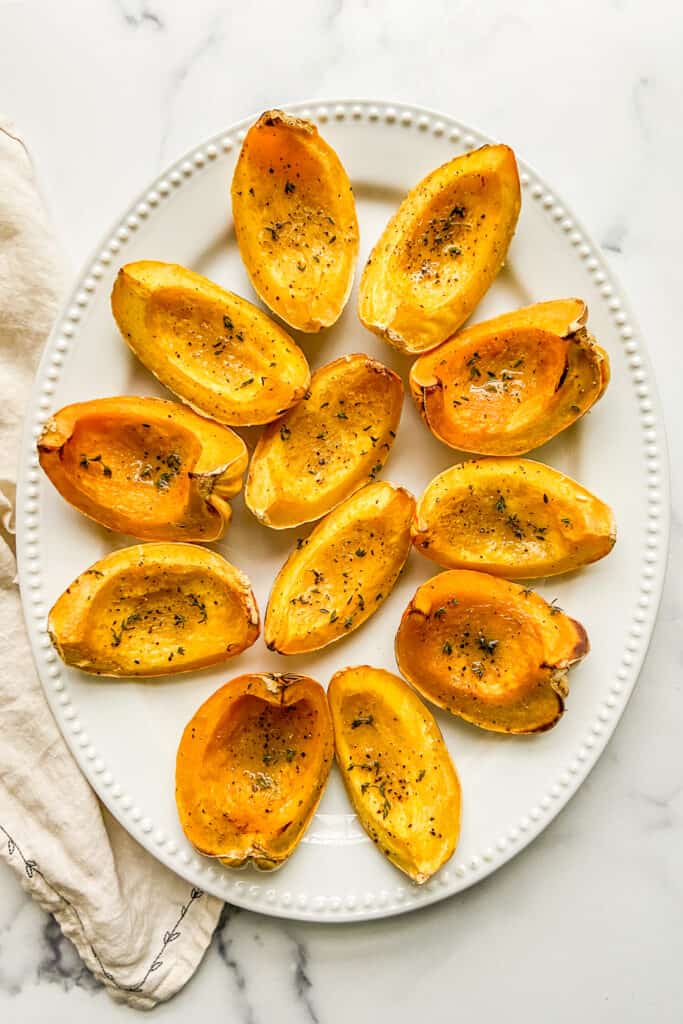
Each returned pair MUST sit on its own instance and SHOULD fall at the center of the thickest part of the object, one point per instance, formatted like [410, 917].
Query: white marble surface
[585, 925]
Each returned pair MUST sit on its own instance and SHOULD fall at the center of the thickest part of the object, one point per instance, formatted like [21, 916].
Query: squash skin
[489, 651]
[217, 352]
[442, 249]
[283, 731]
[295, 221]
[511, 517]
[396, 769]
[144, 466]
[154, 609]
[329, 446]
[367, 538]
[508, 385]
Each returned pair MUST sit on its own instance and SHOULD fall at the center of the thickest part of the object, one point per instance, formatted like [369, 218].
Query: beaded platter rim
[456, 876]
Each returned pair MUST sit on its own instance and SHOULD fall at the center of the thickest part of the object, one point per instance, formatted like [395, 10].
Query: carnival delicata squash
[154, 609]
[489, 651]
[510, 384]
[338, 577]
[331, 444]
[511, 517]
[219, 353]
[442, 249]
[144, 466]
[396, 769]
[251, 768]
[295, 221]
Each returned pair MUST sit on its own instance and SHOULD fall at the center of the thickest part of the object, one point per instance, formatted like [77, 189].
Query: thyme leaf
[362, 720]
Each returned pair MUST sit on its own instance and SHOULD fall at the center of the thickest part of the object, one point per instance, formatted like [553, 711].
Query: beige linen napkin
[139, 928]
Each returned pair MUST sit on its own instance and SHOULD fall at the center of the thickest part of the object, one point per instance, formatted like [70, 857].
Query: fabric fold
[139, 928]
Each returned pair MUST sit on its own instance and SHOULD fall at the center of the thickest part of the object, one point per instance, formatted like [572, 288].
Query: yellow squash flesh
[341, 574]
[251, 767]
[143, 466]
[295, 221]
[441, 250]
[513, 518]
[396, 769]
[331, 444]
[154, 609]
[508, 385]
[489, 651]
[219, 353]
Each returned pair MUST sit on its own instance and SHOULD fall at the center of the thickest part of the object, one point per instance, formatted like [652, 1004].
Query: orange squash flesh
[508, 385]
[396, 769]
[329, 446]
[251, 767]
[295, 221]
[513, 518]
[342, 573]
[143, 466]
[154, 609]
[442, 249]
[219, 353]
[489, 651]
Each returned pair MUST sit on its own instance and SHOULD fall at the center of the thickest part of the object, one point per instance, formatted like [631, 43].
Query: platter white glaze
[124, 734]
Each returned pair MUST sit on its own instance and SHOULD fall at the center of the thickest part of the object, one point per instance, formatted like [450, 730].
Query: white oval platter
[124, 734]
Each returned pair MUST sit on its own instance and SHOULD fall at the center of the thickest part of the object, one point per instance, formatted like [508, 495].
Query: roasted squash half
[441, 250]
[509, 384]
[511, 517]
[144, 466]
[340, 575]
[295, 221]
[154, 609]
[396, 769]
[216, 351]
[251, 767]
[489, 651]
[331, 444]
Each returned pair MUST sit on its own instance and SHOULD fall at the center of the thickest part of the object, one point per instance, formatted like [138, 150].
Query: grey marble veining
[585, 925]
[140, 15]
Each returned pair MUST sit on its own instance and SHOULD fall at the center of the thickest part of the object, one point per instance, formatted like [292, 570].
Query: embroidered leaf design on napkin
[31, 868]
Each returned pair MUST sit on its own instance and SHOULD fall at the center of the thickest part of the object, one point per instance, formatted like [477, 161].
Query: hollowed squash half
[340, 575]
[144, 466]
[489, 651]
[335, 441]
[510, 384]
[396, 769]
[441, 250]
[251, 767]
[295, 221]
[219, 353]
[513, 518]
[154, 609]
